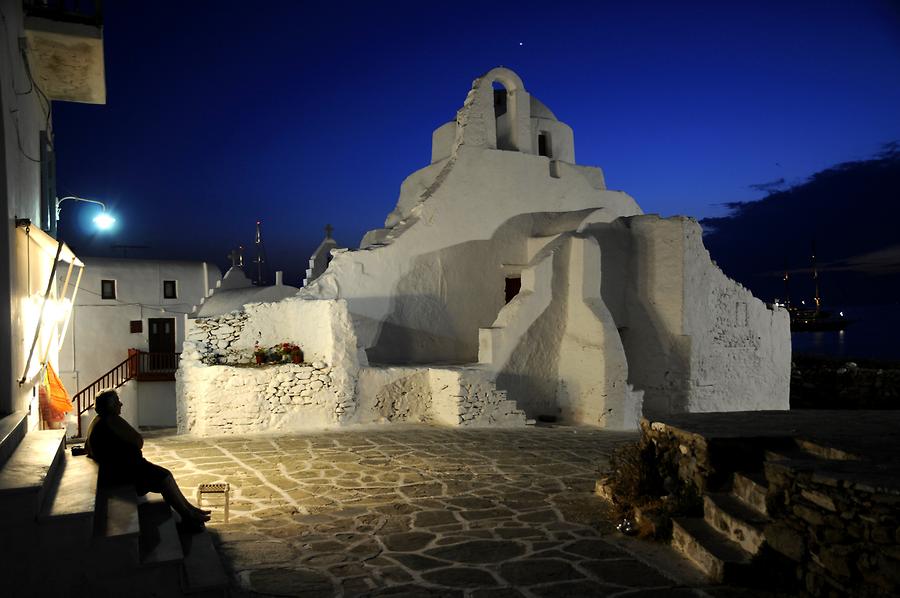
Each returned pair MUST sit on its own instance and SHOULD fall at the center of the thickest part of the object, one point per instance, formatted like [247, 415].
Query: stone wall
[242, 400]
[843, 533]
[211, 340]
[453, 396]
[819, 383]
[221, 391]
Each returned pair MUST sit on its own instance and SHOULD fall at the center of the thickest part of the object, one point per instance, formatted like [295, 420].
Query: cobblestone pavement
[415, 511]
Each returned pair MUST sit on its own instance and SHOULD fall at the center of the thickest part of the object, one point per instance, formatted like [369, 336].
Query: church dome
[538, 110]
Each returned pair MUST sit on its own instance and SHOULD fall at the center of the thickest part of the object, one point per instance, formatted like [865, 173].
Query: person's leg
[175, 499]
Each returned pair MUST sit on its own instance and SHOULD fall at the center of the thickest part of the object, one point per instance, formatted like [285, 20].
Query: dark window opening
[137, 326]
[544, 145]
[170, 289]
[554, 169]
[48, 185]
[513, 286]
[107, 289]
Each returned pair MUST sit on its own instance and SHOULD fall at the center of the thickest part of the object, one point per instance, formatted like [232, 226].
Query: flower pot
[260, 359]
[297, 357]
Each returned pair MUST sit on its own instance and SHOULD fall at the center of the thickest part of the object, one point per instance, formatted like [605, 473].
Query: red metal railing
[138, 365]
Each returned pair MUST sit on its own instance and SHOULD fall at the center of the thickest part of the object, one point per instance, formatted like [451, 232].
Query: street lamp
[103, 220]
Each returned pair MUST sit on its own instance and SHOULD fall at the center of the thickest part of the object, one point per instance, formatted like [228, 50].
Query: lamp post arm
[73, 198]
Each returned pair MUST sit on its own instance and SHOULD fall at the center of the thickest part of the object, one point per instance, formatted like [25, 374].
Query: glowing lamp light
[104, 221]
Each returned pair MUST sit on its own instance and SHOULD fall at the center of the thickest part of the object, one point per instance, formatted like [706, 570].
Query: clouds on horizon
[849, 212]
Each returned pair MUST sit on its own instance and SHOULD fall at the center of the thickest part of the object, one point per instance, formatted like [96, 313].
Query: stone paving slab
[417, 511]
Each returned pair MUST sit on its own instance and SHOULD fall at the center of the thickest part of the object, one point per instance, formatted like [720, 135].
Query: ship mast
[260, 258]
[787, 286]
[816, 277]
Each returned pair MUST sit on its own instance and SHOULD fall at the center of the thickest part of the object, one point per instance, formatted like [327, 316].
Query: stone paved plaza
[416, 511]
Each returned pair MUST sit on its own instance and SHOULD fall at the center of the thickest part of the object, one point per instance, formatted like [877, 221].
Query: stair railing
[138, 365]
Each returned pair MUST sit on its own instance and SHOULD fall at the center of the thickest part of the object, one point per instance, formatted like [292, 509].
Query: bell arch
[512, 127]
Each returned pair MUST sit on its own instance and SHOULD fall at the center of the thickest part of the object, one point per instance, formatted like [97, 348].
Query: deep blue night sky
[303, 113]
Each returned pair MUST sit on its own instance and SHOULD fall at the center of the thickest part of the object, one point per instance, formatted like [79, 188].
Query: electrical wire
[142, 305]
[47, 111]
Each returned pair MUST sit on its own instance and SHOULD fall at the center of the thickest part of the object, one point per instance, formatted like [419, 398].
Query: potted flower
[296, 355]
[259, 353]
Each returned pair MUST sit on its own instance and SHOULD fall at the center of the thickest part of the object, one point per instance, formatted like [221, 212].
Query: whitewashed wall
[23, 119]
[642, 325]
[219, 392]
[695, 340]
[99, 333]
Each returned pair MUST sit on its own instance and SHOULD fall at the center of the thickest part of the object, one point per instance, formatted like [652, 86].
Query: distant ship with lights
[812, 319]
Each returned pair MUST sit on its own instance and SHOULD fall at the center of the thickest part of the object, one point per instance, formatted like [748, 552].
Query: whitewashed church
[508, 284]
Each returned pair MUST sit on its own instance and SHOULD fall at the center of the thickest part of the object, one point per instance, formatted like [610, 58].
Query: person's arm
[124, 431]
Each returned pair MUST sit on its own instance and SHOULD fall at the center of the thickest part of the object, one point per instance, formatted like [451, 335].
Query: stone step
[75, 493]
[158, 541]
[735, 520]
[751, 488]
[719, 558]
[12, 431]
[204, 573]
[28, 474]
[116, 529]
[792, 453]
[66, 518]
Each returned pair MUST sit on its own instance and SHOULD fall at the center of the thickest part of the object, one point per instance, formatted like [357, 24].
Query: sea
[873, 334]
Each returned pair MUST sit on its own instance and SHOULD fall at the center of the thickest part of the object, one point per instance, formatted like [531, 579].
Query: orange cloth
[58, 402]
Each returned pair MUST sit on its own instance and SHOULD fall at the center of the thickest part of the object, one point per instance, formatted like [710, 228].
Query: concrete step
[719, 558]
[27, 475]
[751, 488]
[66, 519]
[792, 453]
[116, 530]
[158, 541]
[75, 493]
[736, 520]
[204, 573]
[12, 431]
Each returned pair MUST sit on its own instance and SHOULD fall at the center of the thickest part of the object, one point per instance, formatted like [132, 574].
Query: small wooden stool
[218, 488]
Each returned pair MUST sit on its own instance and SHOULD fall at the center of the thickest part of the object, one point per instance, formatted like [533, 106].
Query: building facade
[508, 280]
[134, 305]
[51, 55]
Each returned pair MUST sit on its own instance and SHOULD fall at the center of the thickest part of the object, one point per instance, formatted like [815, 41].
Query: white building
[508, 268]
[45, 58]
[128, 305]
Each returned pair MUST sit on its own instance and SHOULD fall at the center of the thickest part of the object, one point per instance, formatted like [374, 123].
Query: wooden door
[162, 335]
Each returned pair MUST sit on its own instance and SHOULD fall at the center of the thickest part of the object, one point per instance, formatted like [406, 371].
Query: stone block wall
[451, 396]
[219, 390]
[468, 397]
[819, 383]
[842, 533]
[211, 340]
[243, 400]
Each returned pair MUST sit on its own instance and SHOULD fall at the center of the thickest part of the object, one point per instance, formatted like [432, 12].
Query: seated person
[116, 447]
